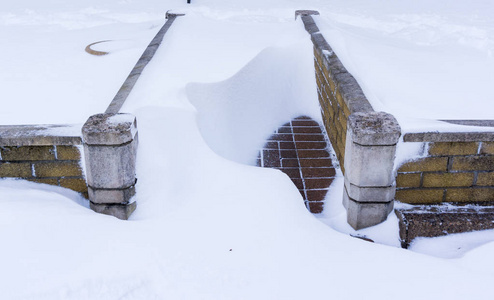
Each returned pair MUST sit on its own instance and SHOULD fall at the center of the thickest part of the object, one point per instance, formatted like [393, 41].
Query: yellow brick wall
[58, 165]
[458, 172]
[334, 110]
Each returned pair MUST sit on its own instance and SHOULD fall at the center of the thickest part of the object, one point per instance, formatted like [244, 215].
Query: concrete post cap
[109, 129]
[374, 128]
[305, 12]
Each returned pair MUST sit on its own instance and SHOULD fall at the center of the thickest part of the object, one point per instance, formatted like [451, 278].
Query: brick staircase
[299, 149]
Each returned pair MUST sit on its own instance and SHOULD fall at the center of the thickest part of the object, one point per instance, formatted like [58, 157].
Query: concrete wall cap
[374, 128]
[449, 137]
[109, 129]
[479, 123]
[320, 42]
[359, 104]
[336, 67]
[309, 24]
[305, 12]
[40, 135]
[124, 91]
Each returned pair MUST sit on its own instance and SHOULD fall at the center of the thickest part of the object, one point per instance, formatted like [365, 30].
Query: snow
[120, 118]
[209, 226]
[454, 245]
[419, 61]
[409, 151]
[238, 115]
[68, 130]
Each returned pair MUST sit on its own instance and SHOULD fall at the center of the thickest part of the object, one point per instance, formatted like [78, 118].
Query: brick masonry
[339, 93]
[458, 167]
[30, 152]
[456, 171]
[299, 149]
[334, 111]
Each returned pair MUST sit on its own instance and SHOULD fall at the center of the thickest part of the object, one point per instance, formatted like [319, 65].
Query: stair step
[439, 220]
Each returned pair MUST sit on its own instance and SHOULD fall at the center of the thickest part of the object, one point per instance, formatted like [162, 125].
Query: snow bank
[456, 245]
[237, 116]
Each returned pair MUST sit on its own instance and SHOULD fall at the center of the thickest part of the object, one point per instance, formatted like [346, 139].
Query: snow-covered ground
[208, 225]
[419, 60]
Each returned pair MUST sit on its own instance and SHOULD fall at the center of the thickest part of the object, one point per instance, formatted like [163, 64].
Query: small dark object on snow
[362, 238]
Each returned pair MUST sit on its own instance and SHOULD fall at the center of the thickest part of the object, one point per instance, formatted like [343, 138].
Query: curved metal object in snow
[95, 52]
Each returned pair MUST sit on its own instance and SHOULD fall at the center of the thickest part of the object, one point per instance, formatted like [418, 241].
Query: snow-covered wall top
[40, 135]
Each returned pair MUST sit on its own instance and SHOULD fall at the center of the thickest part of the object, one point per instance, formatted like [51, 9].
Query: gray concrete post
[369, 158]
[110, 146]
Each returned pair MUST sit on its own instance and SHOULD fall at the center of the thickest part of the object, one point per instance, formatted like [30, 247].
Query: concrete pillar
[110, 146]
[369, 158]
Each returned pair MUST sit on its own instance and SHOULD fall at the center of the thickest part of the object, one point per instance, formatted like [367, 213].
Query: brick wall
[457, 168]
[458, 171]
[29, 152]
[339, 93]
[334, 110]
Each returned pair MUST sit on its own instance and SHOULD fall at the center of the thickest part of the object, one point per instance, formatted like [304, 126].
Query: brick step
[299, 149]
[439, 220]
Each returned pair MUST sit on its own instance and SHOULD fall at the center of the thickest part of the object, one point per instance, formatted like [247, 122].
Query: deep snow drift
[237, 116]
[206, 227]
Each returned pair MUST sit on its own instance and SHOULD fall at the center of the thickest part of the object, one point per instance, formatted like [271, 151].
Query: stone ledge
[319, 41]
[40, 135]
[479, 123]
[449, 137]
[124, 91]
[431, 221]
[305, 12]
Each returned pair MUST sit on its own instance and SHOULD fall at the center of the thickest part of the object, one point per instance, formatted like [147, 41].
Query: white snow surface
[207, 225]
[418, 60]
